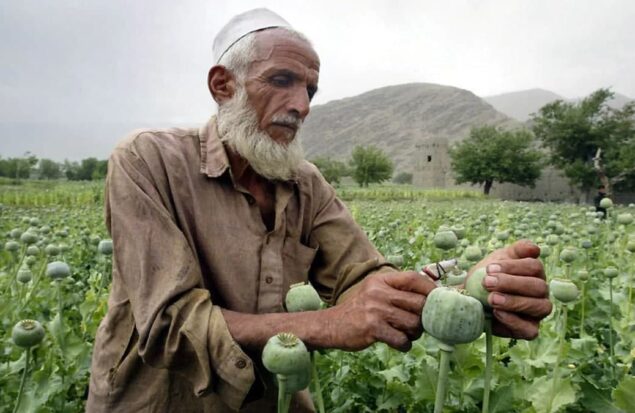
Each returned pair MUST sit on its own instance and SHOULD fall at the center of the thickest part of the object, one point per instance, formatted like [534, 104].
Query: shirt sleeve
[179, 327]
[345, 255]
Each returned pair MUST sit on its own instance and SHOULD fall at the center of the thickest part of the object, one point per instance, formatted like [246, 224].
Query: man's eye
[311, 92]
[281, 81]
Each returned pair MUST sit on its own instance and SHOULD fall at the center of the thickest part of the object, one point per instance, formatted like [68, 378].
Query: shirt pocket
[297, 259]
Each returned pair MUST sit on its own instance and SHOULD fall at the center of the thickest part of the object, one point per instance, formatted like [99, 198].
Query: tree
[490, 154]
[369, 165]
[403, 178]
[18, 168]
[590, 141]
[49, 169]
[332, 170]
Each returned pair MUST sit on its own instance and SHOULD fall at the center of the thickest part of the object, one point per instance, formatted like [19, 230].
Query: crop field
[55, 269]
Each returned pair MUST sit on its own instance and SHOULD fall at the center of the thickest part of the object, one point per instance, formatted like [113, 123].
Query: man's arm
[383, 307]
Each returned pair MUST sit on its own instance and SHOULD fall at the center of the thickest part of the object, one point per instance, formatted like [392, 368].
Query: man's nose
[299, 103]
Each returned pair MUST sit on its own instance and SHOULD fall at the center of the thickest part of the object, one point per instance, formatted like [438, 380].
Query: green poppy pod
[459, 231]
[30, 259]
[24, 274]
[630, 246]
[586, 244]
[553, 239]
[625, 218]
[32, 250]
[15, 233]
[452, 317]
[606, 203]
[285, 354]
[29, 238]
[583, 275]
[545, 250]
[105, 247]
[11, 246]
[64, 247]
[302, 297]
[445, 240]
[34, 222]
[568, 255]
[474, 286]
[611, 272]
[45, 229]
[473, 253]
[456, 278]
[563, 290]
[58, 270]
[27, 333]
[52, 250]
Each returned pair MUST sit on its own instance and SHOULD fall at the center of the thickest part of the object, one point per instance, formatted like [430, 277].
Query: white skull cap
[243, 24]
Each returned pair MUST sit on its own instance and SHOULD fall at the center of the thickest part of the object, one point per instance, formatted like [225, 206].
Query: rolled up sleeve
[345, 255]
[179, 328]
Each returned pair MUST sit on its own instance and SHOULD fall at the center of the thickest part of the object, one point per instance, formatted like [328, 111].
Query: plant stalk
[556, 369]
[442, 381]
[488, 362]
[317, 388]
[23, 381]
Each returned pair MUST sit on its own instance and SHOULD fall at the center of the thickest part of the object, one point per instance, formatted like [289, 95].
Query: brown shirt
[187, 242]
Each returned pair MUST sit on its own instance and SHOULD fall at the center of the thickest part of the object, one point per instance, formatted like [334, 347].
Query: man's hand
[518, 290]
[383, 307]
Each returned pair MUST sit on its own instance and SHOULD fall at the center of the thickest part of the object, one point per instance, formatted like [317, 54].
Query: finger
[511, 325]
[411, 302]
[410, 281]
[527, 306]
[396, 339]
[406, 322]
[524, 249]
[516, 285]
[528, 267]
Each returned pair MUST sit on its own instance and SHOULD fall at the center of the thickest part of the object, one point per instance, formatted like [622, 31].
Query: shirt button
[241, 364]
[269, 280]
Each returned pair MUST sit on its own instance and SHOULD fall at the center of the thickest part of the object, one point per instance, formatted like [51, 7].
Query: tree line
[30, 167]
[592, 143]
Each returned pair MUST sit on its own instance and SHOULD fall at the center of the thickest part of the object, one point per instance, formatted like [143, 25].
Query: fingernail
[490, 282]
[498, 299]
[493, 268]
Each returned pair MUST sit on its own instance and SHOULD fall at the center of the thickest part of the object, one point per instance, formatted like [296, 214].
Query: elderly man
[212, 226]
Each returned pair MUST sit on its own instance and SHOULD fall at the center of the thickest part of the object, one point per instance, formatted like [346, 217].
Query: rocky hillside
[396, 118]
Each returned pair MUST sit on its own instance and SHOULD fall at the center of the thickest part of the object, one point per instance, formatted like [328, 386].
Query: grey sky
[146, 61]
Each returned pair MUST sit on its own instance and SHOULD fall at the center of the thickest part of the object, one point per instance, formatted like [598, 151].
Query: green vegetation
[491, 155]
[370, 165]
[590, 141]
[332, 170]
[30, 166]
[583, 360]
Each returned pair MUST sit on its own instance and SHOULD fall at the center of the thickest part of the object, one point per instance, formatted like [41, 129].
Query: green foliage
[48, 169]
[403, 178]
[377, 379]
[18, 168]
[89, 169]
[491, 155]
[331, 169]
[370, 165]
[574, 131]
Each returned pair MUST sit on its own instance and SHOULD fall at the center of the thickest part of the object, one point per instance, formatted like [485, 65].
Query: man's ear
[221, 83]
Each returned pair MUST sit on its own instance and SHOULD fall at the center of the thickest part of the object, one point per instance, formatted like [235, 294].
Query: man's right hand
[383, 307]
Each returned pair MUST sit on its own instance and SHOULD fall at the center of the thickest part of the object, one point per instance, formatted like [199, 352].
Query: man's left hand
[519, 295]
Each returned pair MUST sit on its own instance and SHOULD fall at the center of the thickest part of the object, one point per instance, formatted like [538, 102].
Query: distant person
[601, 195]
[212, 225]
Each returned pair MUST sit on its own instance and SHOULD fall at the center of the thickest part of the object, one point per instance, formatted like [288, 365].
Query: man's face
[280, 82]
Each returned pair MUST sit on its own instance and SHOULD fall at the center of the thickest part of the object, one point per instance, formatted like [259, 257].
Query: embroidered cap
[243, 24]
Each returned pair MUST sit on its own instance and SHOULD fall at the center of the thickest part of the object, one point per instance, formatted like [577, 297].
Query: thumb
[524, 249]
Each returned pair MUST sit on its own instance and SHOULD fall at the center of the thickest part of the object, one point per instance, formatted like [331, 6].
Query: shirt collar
[214, 161]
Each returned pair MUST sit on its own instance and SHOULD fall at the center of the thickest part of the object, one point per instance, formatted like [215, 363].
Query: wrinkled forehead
[280, 44]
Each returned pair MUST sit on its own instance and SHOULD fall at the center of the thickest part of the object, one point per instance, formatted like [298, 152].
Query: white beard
[238, 128]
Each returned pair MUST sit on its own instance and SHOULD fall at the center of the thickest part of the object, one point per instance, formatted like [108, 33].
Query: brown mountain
[396, 118]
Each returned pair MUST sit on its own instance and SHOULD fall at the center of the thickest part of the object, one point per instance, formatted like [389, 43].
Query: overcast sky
[147, 60]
